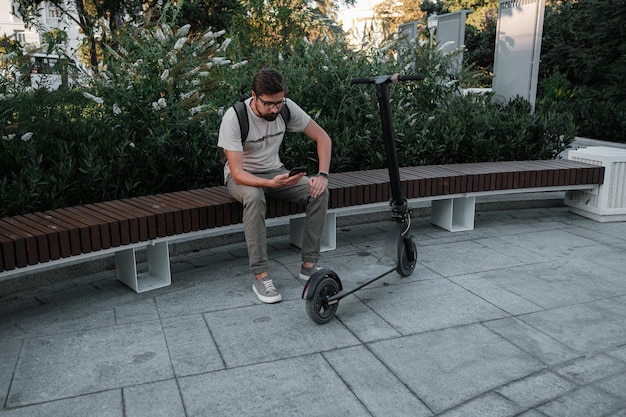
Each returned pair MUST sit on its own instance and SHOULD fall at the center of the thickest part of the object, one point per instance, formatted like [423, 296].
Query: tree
[393, 13]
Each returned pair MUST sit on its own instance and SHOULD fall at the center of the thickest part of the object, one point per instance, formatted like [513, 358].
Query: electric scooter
[324, 289]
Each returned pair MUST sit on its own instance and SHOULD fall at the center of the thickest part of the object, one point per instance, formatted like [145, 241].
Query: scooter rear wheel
[407, 256]
[317, 307]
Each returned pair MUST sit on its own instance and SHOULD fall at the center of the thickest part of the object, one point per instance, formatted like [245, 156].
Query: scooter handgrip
[413, 77]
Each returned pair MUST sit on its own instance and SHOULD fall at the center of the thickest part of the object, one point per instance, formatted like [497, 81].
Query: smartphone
[297, 170]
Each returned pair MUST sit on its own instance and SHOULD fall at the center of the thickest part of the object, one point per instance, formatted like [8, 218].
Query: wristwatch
[323, 174]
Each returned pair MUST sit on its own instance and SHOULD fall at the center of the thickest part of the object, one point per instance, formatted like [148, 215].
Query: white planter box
[608, 202]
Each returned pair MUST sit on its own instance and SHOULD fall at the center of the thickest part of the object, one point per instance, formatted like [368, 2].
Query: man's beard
[270, 117]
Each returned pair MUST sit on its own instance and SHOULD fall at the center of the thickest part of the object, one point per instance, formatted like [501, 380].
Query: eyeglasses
[269, 105]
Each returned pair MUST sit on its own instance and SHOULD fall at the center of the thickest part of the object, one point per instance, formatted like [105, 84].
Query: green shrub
[148, 123]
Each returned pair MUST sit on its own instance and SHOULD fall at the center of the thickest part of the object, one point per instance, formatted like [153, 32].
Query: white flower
[220, 61]
[122, 50]
[155, 106]
[162, 102]
[180, 43]
[165, 75]
[325, 68]
[131, 144]
[206, 73]
[116, 109]
[91, 97]
[220, 111]
[239, 64]
[159, 35]
[369, 116]
[195, 110]
[185, 96]
[220, 33]
[195, 82]
[27, 136]
[280, 57]
[9, 137]
[183, 31]
[225, 44]
[167, 30]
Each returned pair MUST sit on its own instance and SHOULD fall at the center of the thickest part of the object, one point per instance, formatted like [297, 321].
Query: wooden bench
[37, 240]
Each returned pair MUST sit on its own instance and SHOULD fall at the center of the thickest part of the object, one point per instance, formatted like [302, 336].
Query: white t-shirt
[260, 150]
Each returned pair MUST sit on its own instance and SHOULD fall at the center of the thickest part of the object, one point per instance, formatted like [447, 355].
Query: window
[15, 9]
[53, 14]
[19, 36]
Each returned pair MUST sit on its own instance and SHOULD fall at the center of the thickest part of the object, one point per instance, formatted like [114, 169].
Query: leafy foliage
[148, 122]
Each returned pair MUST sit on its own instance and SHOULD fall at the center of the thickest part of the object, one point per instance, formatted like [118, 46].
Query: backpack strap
[242, 116]
[244, 124]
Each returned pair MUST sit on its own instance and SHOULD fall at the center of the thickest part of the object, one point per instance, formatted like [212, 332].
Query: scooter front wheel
[317, 307]
[407, 256]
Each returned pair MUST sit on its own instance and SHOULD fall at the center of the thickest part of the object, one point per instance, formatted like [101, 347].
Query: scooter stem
[382, 92]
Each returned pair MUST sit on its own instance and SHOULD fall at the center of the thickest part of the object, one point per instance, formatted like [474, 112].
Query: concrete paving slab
[105, 404]
[9, 352]
[382, 393]
[588, 369]
[70, 364]
[488, 405]
[265, 333]
[491, 291]
[536, 389]
[448, 367]
[363, 322]
[136, 312]
[555, 284]
[427, 305]
[586, 401]
[157, 399]
[190, 344]
[463, 257]
[590, 327]
[302, 386]
[541, 346]
[615, 385]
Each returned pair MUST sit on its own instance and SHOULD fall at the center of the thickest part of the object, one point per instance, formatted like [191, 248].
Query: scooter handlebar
[387, 78]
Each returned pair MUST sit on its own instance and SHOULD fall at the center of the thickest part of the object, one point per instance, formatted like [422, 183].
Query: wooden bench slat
[51, 238]
[25, 244]
[42, 252]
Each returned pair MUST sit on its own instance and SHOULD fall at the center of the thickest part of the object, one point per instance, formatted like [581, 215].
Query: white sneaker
[266, 291]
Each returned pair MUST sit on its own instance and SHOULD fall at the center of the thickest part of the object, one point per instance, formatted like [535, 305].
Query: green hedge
[149, 122]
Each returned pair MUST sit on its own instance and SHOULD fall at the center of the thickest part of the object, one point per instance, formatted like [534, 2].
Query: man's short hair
[268, 81]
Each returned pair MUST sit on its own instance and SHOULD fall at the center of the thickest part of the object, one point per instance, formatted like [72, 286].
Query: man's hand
[318, 185]
[284, 180]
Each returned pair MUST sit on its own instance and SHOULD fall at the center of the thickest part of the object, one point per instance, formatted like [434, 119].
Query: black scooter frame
[322, 300]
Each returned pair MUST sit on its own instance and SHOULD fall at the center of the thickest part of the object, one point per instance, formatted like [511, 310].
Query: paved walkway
[525, 315]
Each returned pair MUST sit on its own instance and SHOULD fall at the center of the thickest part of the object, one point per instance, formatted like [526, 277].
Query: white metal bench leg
[329, 237]
[454, 214]
[158, 274]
